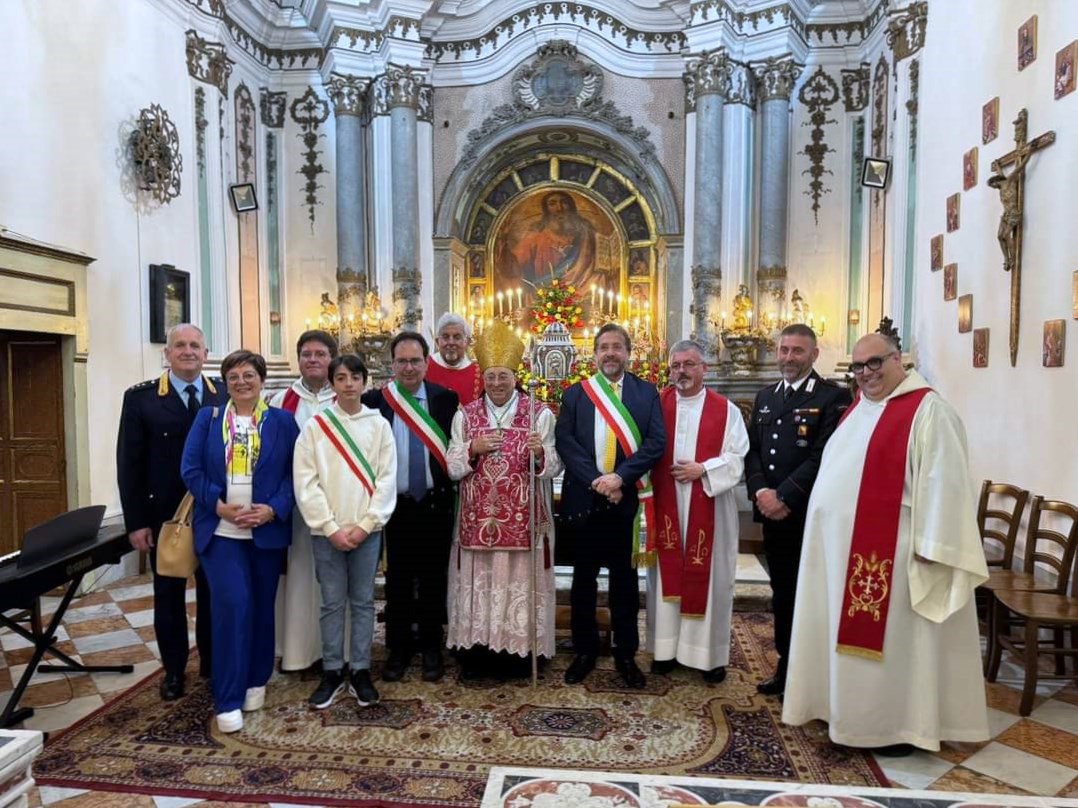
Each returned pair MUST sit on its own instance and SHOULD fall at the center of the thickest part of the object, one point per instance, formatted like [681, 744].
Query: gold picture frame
[950, 282]
[1066, 62]
[1027, 43]
[954, 212]
[1054, 343]
[969, 169]
[965, 314]
[990, 121]
[936, 251]
[980, 347]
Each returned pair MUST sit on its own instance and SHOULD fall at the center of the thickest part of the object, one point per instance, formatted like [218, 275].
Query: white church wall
[1019, 420]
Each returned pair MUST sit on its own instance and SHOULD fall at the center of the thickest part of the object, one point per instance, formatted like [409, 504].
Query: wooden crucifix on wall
[1011, 189]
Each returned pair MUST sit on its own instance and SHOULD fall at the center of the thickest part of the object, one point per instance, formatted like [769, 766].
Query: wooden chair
[1055, 609]
[1012, 507]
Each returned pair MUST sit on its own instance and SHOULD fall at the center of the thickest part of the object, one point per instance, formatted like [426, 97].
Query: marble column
[775, 79]
[348, 94]
[709, 79]
[403, 85]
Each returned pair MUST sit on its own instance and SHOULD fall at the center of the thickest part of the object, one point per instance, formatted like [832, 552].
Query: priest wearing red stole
[693, 555]
[492, 562]
[450, 366]
[885, 646]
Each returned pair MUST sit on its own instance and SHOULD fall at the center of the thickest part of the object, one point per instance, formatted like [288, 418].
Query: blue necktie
[417, 472]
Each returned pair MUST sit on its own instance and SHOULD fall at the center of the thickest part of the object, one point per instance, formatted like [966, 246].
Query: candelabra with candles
[748, 332]
[364, 332]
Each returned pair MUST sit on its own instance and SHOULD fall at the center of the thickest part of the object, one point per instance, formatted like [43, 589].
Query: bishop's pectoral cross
[1011, 189]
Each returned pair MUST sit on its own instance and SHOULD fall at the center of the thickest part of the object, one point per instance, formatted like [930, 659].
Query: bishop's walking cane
[533, 532]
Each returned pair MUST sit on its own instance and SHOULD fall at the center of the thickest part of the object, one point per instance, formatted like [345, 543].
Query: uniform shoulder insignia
[142, 385]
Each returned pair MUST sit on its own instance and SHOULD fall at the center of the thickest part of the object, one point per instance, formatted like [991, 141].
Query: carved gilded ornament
[819, 94]
[402, 87]
[771, 283]
[906, 30]
[272, 107]
[710, 74]
[879, 108]
[785, 15]
[364, 40]
[208, 62]
[154, 149]
[310, 111]
[348, 94]
[274, 58]
[855, 86]
[245, 133]
[557, 80]
[912, 102]
[200, 129]
[776, 77]
[425, 112]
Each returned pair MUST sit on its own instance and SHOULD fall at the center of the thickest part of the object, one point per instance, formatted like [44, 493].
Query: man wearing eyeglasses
[298, 599]
[418, 535]
[691, 585]
[791, 423]
[885, 644]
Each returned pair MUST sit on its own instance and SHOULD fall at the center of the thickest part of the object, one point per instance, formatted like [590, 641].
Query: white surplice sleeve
[724, 472]
[457, 457]
[942, 515]
[544, 425]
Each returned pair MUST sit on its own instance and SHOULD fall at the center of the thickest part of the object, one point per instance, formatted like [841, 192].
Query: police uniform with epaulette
[154, 423]
[787, 435]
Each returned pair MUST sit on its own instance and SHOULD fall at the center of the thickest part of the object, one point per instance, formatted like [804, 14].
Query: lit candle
[307, 324]
[499, 296]
[751, 321]
[520, 297]
[593, 294]
[617, 298]
[723, 315]
[610, 301]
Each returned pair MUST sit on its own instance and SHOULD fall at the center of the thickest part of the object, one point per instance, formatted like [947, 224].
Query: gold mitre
[499, 347]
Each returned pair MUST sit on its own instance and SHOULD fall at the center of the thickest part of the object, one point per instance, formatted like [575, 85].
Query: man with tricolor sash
[345, 479]
[692, 554]
[418, 536]
[610, 435]
[885, 645]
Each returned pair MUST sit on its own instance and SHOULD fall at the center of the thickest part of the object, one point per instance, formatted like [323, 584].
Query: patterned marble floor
[1037, 755]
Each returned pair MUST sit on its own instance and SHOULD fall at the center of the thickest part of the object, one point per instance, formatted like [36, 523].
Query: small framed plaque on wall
[170, 300]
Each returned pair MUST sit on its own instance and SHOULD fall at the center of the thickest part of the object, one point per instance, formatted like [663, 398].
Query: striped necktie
[610, 449]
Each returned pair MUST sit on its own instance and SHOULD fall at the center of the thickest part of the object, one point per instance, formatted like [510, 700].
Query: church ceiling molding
[303, 58]
[208, 62]
[309, 112]
[831, 33]
[362, 40]
[557, 83]
[819, 94]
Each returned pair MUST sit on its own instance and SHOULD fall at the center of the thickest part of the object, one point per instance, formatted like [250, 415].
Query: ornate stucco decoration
[614, 30]
[310, 111]
[710, 74]
[906, 30]
[775, 17]
[819, 94]
[771, 284]
[348, 94]
[271, 175]
[776, 77]
[407, 283]
[402, 87]
[855, 88]
[911, 103]
[208, 62]
[245, 132]
[425, 112]
[154, 149]
[879, 108]
[742, 87]
[272, 107]
[200, 129]
[274, 58]
[366, 41]
[558, 85]
[557, 81]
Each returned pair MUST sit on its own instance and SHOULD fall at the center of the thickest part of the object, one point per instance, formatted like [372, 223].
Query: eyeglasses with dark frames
[873, 363]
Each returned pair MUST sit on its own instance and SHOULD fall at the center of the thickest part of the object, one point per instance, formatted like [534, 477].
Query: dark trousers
[417, 540]
[782, 548]
[170, 619]
[604, 539]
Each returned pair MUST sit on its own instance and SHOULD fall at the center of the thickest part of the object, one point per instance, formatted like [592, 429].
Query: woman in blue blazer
[237, 464]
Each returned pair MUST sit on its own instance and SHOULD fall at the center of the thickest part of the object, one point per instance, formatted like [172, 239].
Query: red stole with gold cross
[870, 570]
[686, 572]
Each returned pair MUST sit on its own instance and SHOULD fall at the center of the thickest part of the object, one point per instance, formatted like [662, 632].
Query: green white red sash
[620, 420]
[407, 407]
[348, 449]
[870, 569]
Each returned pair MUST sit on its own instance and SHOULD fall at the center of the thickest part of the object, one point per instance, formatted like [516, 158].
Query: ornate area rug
[433, 744]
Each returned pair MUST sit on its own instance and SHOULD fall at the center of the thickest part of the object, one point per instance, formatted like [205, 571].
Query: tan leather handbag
[176, 543]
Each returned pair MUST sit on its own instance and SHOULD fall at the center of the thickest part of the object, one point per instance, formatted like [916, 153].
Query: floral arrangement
[650, 370]
[557, 303]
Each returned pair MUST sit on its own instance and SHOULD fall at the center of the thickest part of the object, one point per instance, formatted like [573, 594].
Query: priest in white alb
[885, 644]
[693, 562]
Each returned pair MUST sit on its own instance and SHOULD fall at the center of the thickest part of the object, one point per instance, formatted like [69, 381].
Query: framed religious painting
[954, 203]
[1064, 75]
[1027, 43]
[969, 169]
[980, 347]
[965, 314]
[170, 300]
[937, 252]
[950, 282]
[1053, 344]
[990, 121]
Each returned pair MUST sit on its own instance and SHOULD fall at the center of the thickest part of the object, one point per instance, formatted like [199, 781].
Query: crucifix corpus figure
[1011, 189]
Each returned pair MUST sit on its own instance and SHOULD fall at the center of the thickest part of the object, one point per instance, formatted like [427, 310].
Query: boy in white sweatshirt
[345, 475]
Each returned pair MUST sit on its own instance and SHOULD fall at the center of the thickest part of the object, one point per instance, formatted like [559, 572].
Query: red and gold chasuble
[870, 570]
[494, 498]
[686, 572]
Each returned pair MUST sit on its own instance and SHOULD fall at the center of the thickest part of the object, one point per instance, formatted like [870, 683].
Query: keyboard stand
[43, 642]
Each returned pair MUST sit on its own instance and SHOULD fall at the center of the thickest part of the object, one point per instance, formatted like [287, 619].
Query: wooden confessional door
[33, 484]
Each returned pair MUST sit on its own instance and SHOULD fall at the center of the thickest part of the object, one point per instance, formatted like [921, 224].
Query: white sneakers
[255, 698]
[232, 721]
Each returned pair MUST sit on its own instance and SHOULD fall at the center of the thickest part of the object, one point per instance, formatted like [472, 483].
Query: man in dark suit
[154, 421]
[791, 423]
[599, 499]
[418, 535]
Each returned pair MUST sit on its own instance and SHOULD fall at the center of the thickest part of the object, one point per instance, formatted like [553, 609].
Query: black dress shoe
[396, 665]
[433, 666]
[715, 675]
[775, 686]
[662, 667]
[631, 674]
[579, 668]
[172, 687]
